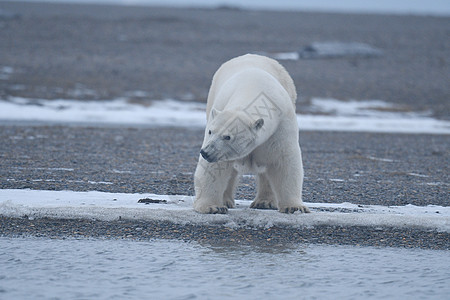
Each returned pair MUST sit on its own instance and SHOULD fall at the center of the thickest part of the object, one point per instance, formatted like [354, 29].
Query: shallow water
[40, 268]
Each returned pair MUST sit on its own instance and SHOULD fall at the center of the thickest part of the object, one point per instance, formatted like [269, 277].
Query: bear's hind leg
[265, 198]
[287, 182]
[211, 181]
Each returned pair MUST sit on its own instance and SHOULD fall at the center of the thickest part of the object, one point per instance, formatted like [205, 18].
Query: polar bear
[251, 127]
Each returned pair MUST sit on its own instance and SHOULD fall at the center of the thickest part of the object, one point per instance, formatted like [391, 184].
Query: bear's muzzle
[207, 157]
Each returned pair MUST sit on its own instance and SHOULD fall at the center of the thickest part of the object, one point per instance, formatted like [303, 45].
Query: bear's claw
[293, 209]
[218, 210]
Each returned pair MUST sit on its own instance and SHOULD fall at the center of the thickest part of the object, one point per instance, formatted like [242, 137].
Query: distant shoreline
[431, 9]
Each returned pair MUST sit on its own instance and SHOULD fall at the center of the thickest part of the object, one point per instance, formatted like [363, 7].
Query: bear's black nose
[204, 154]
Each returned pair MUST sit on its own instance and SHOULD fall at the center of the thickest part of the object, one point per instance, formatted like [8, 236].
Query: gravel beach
[104, 52]
[85, 52]
[359, 168]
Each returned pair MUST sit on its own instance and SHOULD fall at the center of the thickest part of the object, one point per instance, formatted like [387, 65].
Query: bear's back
[231, 67]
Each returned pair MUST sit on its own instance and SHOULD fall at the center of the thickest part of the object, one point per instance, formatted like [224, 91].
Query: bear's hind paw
[229, 203]
[213, 210]
[263, 204]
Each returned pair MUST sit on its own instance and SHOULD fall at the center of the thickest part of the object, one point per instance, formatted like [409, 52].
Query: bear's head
[230, 135]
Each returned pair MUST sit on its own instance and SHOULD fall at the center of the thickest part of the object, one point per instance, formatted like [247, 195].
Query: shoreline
[220, 235]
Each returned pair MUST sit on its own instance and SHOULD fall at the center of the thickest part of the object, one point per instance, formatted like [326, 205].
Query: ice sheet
[178, 209]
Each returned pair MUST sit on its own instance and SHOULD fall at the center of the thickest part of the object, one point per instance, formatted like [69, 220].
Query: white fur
[251, 126]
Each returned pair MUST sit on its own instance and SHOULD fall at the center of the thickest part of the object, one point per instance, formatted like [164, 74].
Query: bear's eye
[209, 132]
[227, 137]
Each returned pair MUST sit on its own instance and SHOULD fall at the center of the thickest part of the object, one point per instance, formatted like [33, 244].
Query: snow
[5, 71]
[368, 116]
[284, 55]
[178, 209]
[118, 111]
[325, 115]
[363, 108]
[380, 159]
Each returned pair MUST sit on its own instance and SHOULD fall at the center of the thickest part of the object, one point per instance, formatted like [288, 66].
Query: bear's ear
[214, 113]
[258, 124]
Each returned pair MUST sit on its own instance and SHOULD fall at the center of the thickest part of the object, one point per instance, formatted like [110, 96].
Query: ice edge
[178, 209]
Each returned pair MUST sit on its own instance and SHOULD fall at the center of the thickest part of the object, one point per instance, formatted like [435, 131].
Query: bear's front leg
[286, 180]
[211, 182]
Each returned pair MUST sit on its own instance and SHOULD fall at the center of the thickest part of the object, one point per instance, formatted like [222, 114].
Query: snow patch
[121, 171]
[48, 169]
[417, 175]
[337, 180]
[118, 111]
[325, 50]
[6, 72]
[380, 159]
[285, 55]
[363, 108]
[178, 209]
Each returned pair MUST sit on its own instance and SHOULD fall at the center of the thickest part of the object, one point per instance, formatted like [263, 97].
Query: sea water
[42, 268]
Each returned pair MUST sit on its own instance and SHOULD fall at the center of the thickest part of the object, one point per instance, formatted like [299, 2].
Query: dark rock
[149, 200]
[338, 49]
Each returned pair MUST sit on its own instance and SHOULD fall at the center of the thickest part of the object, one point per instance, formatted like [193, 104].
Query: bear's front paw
[293, 209]
[212, 209]
[263, 204]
